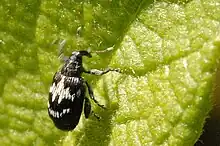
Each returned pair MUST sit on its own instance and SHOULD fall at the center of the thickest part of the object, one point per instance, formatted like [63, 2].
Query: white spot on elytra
[64, 111]
[59, 91]
[72, 97]
[59, 114]
[55, 114]
[51, 112]
[78, 93]
[68, 110]
[51, 88]
[76, 80]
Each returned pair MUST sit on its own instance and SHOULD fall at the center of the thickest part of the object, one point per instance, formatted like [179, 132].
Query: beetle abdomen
[66, 99]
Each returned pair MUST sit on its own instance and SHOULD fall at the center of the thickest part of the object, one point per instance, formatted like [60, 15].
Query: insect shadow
[97, 132]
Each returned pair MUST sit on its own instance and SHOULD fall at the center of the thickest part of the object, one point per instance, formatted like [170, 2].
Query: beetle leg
[87, 109]
[91, 94]
[100, 72]
[95, 115]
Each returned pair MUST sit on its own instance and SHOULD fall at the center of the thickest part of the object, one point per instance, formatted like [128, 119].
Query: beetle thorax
[73, 67]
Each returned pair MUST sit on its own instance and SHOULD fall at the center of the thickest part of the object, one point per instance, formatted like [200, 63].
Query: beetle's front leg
[100, 72]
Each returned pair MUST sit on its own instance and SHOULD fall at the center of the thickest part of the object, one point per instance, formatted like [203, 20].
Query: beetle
[67, 94]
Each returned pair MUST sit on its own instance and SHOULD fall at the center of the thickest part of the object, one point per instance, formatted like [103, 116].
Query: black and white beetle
[67, 92]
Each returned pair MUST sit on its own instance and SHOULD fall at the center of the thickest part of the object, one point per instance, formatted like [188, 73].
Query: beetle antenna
[101, 51]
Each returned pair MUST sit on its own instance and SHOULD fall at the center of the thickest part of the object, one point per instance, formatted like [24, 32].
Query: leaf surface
[168, 52]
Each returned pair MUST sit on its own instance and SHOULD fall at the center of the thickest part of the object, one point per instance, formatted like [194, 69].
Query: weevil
[67, 94]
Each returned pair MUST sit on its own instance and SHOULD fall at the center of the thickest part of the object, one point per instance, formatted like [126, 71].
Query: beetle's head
[79, 54]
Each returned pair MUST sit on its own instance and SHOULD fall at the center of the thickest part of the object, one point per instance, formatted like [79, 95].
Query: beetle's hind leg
[91, 94]
[87, 109]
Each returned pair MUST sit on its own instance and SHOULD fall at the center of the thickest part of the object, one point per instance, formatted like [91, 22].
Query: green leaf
[168, 52]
